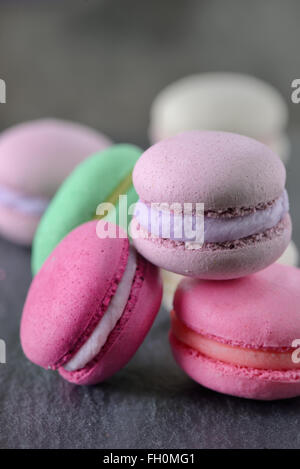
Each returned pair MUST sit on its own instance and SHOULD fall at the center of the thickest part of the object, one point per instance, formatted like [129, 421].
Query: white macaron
[226, 101]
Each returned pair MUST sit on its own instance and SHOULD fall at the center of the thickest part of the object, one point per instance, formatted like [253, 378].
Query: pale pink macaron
[242, 336]
[90, 306]
[241, 184]
[35, 158]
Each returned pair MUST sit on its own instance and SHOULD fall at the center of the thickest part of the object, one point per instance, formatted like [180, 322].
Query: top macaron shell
[91, 183]
[222, 170]
[36, 156]
[260, 310]
[71, 293]
[219, 101]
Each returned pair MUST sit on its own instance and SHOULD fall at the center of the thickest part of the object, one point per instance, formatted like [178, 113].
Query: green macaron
[100, 178]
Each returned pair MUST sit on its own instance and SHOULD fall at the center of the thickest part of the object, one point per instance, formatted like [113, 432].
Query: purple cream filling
[28, 205]
[216, 230]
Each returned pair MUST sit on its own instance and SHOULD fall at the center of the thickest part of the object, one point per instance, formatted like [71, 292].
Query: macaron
[171, 280]
[241, 337]
[230, 102]
[90, 306]
[243, 224]
[35, 157]
[100, 179]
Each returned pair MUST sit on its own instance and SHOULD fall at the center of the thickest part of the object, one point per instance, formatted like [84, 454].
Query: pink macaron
[90, 306]
[35, 158]
[241, 336]
[238, 183]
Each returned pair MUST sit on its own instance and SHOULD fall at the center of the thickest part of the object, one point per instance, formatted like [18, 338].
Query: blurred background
[102, 62]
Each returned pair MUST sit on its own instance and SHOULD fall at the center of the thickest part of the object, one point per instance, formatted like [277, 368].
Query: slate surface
[96, 62]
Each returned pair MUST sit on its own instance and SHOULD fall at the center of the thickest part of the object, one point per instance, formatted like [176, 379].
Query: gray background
[102, 63]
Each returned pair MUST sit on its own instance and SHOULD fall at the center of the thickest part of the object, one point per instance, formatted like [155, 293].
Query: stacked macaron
[238, 337]
[225, 101]
[210, 205]
[213, 206]
[244, 224]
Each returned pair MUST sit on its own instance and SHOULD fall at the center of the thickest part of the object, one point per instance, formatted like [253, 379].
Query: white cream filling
[93, 345]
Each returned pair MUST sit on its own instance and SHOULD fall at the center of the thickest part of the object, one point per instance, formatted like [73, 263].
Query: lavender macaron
[244, 223]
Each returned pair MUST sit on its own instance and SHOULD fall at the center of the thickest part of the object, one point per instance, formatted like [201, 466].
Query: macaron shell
[219, 169]
[36, 156]
[261, 310]
[216, 264]
[236, 381]
[129, 333]
[70, 294]
[76, 201]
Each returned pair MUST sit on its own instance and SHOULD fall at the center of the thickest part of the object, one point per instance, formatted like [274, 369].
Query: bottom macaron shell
[18, 227]
[216, 264]
[129, 333]
[229, 379]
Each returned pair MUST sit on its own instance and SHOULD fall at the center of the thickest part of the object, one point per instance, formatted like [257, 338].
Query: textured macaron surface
[36, 156]
[220, 169]
[91, 183]
[260, 310]
[70, 294]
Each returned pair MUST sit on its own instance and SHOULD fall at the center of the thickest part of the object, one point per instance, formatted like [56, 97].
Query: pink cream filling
[238, 356]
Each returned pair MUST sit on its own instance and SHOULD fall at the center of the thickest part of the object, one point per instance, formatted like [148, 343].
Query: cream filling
[98, 338]
[28, 205]
[194, 229]
[233, 355]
